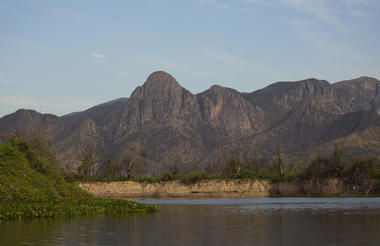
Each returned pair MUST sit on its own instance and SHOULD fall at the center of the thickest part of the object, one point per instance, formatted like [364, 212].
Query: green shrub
[25, 175]
[192, 178]
[361, 169]
[57, 208]
[231, 168]
[30, 187]
[167, 177]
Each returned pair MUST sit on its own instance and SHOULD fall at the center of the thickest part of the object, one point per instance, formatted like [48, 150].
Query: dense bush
[323, 168]
[31, 187]
[26, 175]
[362, 168]
[74, 207]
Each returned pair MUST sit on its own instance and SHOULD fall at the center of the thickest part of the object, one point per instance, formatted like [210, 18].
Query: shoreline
[175, 189]
[212, 189]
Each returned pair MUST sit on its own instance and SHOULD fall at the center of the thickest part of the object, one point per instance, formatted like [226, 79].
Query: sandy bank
[215, 189]
[175, 189]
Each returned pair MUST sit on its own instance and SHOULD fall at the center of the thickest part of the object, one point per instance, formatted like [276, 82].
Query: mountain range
[303, 119]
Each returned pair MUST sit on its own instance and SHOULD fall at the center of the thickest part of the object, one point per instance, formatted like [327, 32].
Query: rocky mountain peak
[158, 85]
[217, 92]
[358, 94]
[160, 99]
[160, 79]
[362, 80]
[216, 87]
[305, 117]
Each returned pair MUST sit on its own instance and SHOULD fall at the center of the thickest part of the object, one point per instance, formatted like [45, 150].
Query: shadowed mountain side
[304, 118]
[358, 94]
[350, 123]
[30, 123]
[279, 98]
[100, 114]
[357, 144]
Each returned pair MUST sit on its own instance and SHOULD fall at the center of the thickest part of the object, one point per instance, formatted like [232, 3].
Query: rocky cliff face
[304, 118]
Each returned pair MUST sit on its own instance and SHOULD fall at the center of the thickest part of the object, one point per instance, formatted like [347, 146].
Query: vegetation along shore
[31, 187]
[324, 176]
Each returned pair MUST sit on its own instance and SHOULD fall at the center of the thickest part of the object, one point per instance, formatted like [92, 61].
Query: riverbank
[176, 189]
[233, 188]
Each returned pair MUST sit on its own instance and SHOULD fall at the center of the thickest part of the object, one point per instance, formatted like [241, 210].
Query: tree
[322, 167]
[337, 157]
[174, 165]
[361, 173]
[38, 143]
[255, 161]
[88, 161]
[196, 167]
[280, 164]
[134, 160]
[110, 169]
[213, 168]
[232, 167]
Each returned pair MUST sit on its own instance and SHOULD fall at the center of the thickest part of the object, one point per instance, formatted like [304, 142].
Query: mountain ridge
[172, 123]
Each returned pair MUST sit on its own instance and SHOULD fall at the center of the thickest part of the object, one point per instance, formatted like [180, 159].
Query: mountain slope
[305, 118]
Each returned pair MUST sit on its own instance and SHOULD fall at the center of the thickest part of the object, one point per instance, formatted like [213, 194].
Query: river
[261, 221]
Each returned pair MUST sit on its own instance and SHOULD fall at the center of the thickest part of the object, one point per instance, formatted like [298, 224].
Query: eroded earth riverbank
[220, 189]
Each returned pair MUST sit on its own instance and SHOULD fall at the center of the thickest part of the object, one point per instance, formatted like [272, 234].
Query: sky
[65, 56]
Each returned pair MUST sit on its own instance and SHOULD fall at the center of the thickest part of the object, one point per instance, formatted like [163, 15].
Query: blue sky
[64, 56]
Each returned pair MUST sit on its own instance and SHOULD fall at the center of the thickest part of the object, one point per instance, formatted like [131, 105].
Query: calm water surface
[267, 221]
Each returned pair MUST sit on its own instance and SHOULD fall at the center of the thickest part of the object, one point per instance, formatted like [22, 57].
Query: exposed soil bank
[221, 189]
[176, 189]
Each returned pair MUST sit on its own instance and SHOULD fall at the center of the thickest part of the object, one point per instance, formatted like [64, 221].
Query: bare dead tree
[134, 160]
[369, 185]
[174, 165]
[88, 163]
[280, 163]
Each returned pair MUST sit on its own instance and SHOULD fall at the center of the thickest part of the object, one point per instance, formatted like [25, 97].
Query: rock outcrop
[304, 118]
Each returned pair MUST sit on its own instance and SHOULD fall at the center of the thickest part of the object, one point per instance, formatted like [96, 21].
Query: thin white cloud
[329, 12]
[215, 3]
[97, 55]
[319, 9]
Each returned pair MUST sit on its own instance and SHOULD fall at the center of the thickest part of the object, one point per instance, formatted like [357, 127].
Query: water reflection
[215, 222]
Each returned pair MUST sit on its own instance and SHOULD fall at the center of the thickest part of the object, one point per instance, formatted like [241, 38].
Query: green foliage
[167, 177]
[356, 173]
[147, 179]
[247, 172]
[280, 163]
[361, 169]
[192, 178]
[231, 168]
[87, 165]
[269, 174]
[25, 175]
[255, 161]
[322, 168]
[30, 187]
[57, 208]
